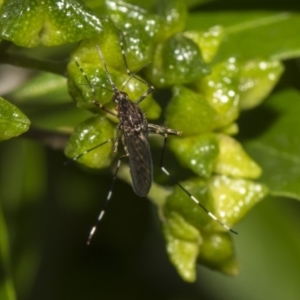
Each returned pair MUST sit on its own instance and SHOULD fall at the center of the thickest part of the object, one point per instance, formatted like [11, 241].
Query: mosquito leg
[104, 108]
[193, 198]
[149, 91]
[115, 142]
[87, 151]
[103, 210]
[162, 130]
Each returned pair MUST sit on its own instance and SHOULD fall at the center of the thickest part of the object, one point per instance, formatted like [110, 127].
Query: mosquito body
[133, 128]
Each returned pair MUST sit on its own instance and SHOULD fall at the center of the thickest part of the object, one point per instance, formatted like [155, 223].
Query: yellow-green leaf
[12, 121]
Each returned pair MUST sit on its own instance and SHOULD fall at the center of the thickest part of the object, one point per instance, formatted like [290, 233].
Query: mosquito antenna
[129, 73]
[86, 78]
[114, 87]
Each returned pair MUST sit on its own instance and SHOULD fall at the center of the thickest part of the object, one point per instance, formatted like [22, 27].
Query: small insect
[133, 129]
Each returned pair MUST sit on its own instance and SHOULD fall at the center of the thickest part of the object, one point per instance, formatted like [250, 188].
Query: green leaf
[109, 41]
[142, 33]
[50, 22]
[233, 161]
[174, 15]
[231, 129]
[258, 77]
[182, 243]
[143, 24]
[277, 147]
[177, 61]
[234, 198]
[156, 22]
[182, 204]
[88, 135]
[191, 111]
[198, 153]
[232, 85]
[217, 252]
[12, 121]
[208, 41]
[253, 33]
[187, 225]
[221, 90]
[228, 198]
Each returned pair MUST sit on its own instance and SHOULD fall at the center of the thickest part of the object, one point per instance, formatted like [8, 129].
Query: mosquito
[133, 129]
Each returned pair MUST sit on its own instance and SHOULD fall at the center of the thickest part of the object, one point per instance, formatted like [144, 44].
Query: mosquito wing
[140, 163]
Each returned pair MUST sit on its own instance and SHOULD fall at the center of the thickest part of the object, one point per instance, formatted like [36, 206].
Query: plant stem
[32, 63]
[55, 140]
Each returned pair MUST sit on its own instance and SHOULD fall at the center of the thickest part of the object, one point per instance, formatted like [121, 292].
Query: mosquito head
[119, 96]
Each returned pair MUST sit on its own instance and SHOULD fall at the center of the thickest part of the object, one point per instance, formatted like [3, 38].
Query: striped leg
[193, 198]
[108, 198]
[88, 150]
